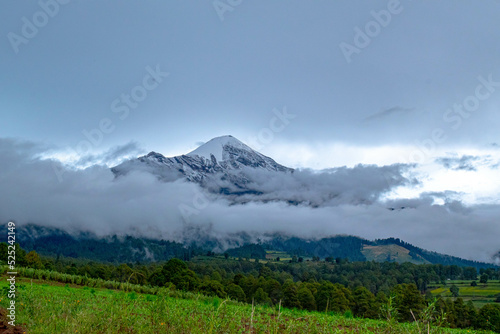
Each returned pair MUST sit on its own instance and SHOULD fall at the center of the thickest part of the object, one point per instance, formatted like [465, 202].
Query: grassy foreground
[49, 307]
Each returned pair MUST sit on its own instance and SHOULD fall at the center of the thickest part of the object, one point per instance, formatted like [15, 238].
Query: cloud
[111, 157]
[471, 235]
[389, 112]
[362, 184]
[469, 163]
[465, 162]
[92, 199]
[450, 201]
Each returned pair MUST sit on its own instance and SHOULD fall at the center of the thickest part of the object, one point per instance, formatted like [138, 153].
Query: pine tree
[306, 298]
[290, 295]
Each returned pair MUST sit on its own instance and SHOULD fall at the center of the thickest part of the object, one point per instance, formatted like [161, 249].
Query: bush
[454, 291]
[236, 292]
[348, 314]
[213, 288]
[489, 317]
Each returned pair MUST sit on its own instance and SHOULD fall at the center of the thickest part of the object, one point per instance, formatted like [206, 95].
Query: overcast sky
[313, 84]
[226, 76]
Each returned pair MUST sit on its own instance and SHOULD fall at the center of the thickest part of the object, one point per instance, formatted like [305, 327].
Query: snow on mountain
[216, 146]
[221, 158]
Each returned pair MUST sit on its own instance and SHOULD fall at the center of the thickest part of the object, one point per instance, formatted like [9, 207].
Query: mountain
[221, 164]
[359, 249]
[54, 242]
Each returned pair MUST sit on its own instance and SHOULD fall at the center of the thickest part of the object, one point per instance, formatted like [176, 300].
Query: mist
[339, 201]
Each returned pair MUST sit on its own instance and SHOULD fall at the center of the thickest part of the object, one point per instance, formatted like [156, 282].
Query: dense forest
[362, 289]
[117, 249]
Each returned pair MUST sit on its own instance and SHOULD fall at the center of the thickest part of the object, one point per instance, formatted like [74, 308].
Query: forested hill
[55, 242]
[358, 249]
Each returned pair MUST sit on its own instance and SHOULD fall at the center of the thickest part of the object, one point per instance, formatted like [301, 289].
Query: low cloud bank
[338, 201]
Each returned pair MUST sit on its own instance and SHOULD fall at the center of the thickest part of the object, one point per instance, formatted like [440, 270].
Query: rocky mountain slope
[223, 164]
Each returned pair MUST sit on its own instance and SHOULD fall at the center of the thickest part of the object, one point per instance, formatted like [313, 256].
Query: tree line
[362, 289]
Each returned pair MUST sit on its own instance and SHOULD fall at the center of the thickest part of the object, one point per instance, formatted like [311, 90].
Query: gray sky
[312, 84]
[226, 76]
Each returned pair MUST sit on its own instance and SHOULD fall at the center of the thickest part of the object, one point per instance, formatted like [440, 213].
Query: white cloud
[92, 199]
[481, 185]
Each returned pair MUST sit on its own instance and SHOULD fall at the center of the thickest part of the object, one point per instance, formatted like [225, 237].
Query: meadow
[480, 295]
[52, 307]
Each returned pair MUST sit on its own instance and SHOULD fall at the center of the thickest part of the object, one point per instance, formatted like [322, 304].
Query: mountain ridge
[53, 242]
[223, 161]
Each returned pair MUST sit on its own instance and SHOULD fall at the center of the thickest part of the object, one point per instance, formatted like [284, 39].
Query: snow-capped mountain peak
[224, 158]
[216, 147]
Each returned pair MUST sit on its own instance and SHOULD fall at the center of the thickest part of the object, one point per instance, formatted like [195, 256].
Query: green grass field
[272, 255]
[50, 307]
[395, 253]
[480, 294]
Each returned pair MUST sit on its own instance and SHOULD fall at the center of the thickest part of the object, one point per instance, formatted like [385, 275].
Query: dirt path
[5, 328]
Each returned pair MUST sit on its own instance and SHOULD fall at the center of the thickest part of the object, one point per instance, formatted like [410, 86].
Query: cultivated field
[480, 294]
[51, 307]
